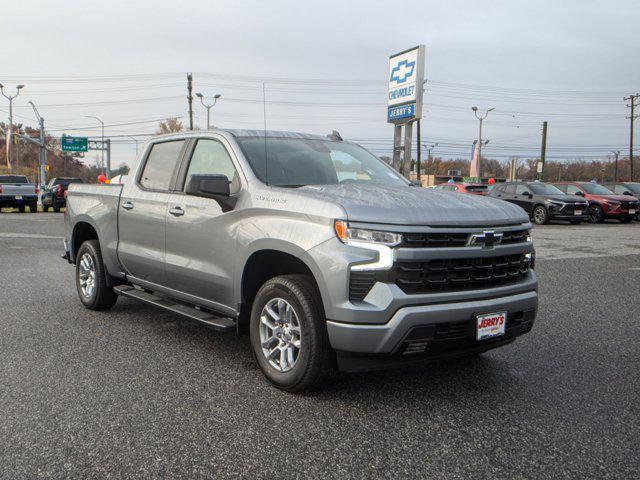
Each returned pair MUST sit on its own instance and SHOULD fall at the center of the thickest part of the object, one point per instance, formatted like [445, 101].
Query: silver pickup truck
[17, 192]
[311, 245]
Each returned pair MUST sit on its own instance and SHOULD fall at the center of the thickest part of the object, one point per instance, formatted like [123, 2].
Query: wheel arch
[265, 263]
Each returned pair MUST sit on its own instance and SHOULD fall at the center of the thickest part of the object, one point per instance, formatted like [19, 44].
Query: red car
[603, 203]
[472, 188]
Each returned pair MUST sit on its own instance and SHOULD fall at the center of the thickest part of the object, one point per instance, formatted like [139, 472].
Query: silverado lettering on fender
[318, 250]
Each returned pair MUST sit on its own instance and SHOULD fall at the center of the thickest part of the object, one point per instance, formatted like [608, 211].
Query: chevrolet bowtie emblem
[488, 239]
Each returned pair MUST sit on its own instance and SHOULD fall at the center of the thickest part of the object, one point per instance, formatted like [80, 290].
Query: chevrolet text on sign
[406, 77]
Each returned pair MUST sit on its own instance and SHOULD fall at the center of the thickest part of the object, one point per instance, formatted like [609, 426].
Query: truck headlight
[349, 234]
[378, 241]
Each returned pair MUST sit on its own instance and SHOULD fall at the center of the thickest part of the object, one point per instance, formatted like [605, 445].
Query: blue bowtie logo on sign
[402, 71]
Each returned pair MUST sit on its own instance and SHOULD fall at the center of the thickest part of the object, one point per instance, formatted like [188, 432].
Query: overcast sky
[567, 62]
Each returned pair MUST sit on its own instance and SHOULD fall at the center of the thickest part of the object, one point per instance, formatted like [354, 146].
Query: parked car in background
[543, 202]
[318, 250]
[603, 203]
[17, 192]
[53, 195]
[631, 189]
[472, 188]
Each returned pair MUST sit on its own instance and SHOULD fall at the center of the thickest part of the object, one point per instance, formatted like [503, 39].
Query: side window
[520, 189]
[562, 188]
[509, 189]
[210, 157]
[572, 189]
[161, 162]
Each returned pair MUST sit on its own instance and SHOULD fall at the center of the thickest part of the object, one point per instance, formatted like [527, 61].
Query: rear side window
[509, 189]
[13, 179]
[161, 162]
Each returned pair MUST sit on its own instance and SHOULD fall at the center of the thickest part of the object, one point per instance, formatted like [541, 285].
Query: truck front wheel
[91, 280]
[289, 334]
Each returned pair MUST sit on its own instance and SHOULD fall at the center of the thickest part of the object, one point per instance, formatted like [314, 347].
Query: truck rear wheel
[56, 208]
[91, 280]
[289, 334]
[21, 208]
[33, 208]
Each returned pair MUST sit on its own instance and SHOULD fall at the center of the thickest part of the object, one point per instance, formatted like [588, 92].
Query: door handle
[127, 205]
[176, 211]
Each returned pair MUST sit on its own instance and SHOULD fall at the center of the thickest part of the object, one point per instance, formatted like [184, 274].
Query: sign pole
[408, 136]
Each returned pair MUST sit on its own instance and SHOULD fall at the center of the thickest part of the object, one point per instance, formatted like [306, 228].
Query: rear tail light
[0, 188]
[65, 193]
[59, 191]
[37, 190]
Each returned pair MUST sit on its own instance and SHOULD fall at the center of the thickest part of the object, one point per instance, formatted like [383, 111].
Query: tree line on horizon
[73, 164]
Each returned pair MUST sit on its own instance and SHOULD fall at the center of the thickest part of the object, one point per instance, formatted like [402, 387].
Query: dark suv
[603, 203]
[631, 189]
[543, 201]
[53, 195]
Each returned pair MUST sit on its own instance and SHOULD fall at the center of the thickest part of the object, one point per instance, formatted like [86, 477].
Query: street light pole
[102, 150]
[43, 148]
[429, 150]
[480, 118]
[208, 106]
[9, 136]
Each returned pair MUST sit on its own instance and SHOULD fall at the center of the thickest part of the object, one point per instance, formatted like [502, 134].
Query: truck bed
[97, 205]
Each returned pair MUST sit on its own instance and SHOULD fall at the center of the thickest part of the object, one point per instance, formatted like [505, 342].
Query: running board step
[221, 324]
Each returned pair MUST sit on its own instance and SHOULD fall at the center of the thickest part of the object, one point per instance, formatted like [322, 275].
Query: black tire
[33, 208]
[596, 214]
[626, 219]
[315, 356]
[45, 208]
[102, 297]
[575, 222]
[56, 208]
[21, 208]
[540, 215]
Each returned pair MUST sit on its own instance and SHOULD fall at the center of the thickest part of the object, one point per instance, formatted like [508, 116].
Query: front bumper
[432, 325]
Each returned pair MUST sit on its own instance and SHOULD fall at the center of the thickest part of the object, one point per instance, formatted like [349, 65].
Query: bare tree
[170, 125]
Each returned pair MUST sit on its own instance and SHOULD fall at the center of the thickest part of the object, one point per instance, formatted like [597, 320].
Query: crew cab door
[200, 244]
[142, 212]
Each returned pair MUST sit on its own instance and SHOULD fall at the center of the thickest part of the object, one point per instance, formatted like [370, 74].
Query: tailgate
[20, 189]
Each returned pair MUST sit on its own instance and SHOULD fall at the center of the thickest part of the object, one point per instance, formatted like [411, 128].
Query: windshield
[295, 162]
[595, 189]
[545, 189]
[633, 187]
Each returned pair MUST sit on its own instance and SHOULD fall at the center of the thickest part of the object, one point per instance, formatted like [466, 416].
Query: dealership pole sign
[406, 86]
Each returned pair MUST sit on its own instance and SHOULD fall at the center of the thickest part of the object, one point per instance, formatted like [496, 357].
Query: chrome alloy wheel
[539, 215]
[280, 334]
[87, 275]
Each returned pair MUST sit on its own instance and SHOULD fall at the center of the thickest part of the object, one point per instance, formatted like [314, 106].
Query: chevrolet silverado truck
[17, 192]
[324, 255]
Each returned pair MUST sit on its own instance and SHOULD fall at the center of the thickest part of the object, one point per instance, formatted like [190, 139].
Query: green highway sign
[74, 144]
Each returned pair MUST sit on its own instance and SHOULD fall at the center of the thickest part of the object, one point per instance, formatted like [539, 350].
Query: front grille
[627, 205]
[447, 275]
[456, 239]
[434, 240]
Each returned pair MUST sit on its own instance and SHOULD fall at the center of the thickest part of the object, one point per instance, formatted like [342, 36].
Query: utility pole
[615, 168]
[208, 106]
[190, 99]
[480, 118]
[429, 150]
[632, 104]
[108, 148]
[10, 132]
[543, 152]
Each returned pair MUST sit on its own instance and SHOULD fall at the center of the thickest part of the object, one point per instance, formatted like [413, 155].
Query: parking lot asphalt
[136, 392]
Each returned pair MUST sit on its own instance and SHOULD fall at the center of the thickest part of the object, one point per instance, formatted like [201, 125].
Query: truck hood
[416, 206]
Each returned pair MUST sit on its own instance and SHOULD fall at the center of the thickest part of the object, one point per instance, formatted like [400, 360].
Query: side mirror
[527, 194]
[208, 186]
[579, 193]
[627, 192]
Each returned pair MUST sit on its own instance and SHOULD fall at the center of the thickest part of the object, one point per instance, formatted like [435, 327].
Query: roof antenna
[264, 116]
[335, 135]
